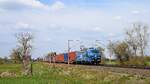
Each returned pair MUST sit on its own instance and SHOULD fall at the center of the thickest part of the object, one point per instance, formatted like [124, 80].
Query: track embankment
[125, 70]
[143, 72]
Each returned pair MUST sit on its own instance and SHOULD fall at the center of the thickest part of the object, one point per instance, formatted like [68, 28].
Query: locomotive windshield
[94, 51]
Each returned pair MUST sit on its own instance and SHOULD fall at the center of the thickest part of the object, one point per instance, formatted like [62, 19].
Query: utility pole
[99, 44]
[69, 50]
[110, 49]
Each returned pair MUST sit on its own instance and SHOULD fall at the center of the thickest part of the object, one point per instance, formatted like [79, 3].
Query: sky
[53, 22]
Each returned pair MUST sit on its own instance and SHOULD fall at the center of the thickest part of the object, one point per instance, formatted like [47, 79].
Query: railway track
[131, 70]
[116, 66]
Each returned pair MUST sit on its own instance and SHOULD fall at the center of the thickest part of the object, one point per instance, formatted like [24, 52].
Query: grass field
[148, 63]
[111, 62]
[59, 74]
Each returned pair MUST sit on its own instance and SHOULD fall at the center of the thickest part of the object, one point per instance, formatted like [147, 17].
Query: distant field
[115, 63]
[148, 63]
[59, 74]
[111, 62]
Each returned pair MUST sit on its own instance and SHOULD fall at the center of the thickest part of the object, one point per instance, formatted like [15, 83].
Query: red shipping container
[59, 58]
[72, 57]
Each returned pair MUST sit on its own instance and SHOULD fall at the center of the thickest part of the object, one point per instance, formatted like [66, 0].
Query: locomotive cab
[94, 55]
[89, 56]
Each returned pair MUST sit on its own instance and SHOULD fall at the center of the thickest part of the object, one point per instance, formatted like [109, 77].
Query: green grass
[147, 63]
[60, 74]
[13, 68]
[111, 62]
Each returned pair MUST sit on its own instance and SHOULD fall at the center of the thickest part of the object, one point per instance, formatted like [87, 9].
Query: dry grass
[63, 74]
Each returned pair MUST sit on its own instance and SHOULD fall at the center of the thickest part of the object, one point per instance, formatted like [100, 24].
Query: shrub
[7, 74]
[136, 60]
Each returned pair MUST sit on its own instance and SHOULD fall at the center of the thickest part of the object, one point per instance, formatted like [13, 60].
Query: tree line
[131, 50]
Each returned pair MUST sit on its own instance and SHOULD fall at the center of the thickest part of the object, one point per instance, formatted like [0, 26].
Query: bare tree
[132, 40]
[16, 55]
[137, 37]
[142, 33]
[110, 49]
[24, 41]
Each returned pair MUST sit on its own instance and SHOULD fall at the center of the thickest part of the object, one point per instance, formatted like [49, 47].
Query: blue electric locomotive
[89, 56]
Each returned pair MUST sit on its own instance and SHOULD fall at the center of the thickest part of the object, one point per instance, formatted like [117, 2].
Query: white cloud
[135, 12]
[21, 4]
[57, 6]
[98, 29]
[22, 25]
[111, 35]
[118, 17]
[29, 4]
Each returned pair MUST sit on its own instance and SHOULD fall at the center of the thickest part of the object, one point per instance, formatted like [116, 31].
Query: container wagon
[59, 58]
[89, 56]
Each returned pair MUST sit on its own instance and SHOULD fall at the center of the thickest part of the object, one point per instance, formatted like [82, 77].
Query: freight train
[88, 56]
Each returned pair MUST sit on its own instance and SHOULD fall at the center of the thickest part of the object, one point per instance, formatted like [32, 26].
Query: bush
[1, 61]
[136, 60]
[122, 52]
[7, 74]
[147, 58]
